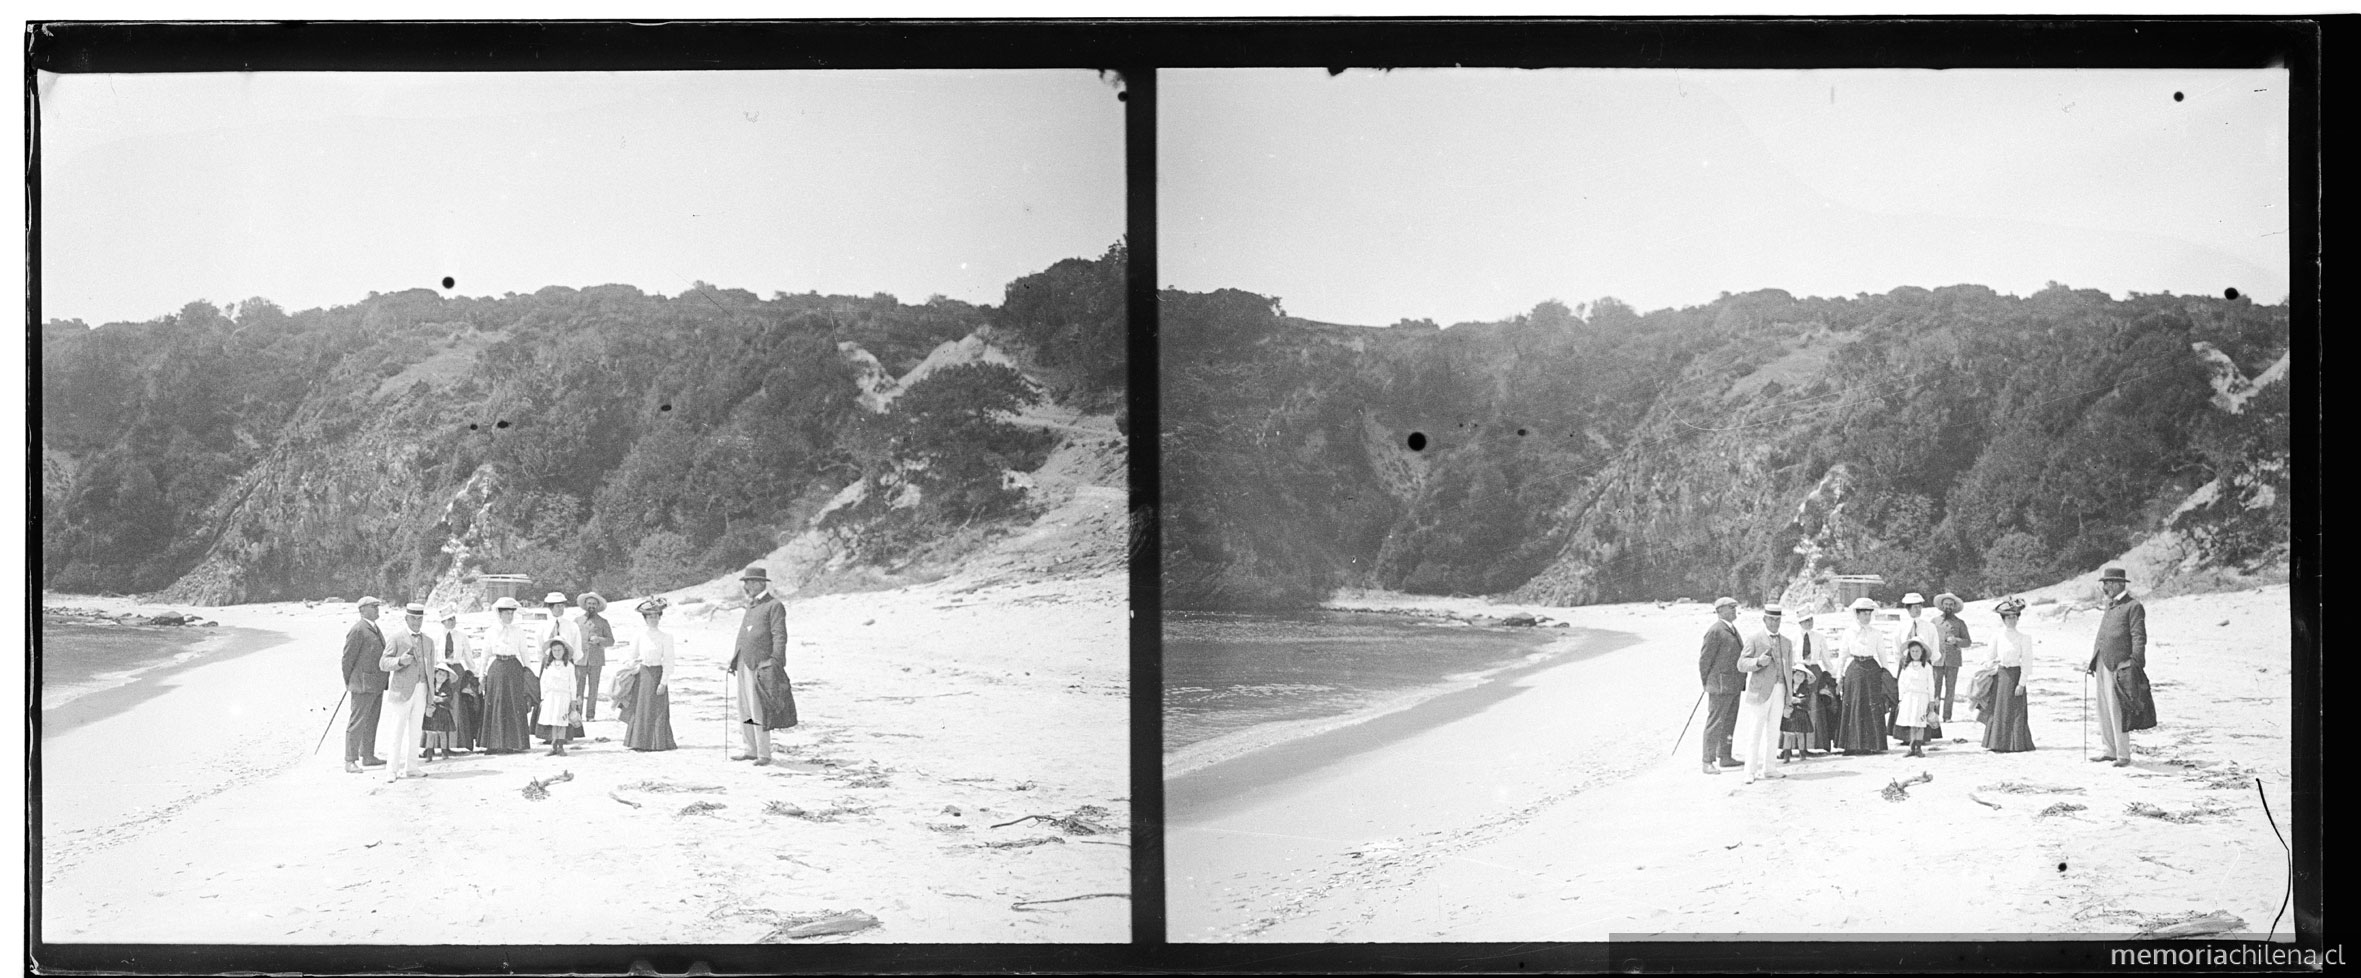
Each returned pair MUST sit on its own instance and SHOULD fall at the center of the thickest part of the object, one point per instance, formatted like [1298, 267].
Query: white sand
[202, 814]
[1555, 813]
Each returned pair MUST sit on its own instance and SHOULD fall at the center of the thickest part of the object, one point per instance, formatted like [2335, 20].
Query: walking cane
[332, 711]
[1676, 741]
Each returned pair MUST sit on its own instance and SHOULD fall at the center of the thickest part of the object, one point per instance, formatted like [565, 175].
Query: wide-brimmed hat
[2009, 606]
[1864, 604]
[504, 604]
[555, 597]
[2114, 574]
[1947, 598]
[1913, 598]
[653, 606]
[590, 601]
[755, 572]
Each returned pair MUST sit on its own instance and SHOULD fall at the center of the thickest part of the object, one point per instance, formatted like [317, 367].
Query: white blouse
[655, 649]
[2012, 648]
[1868, 640]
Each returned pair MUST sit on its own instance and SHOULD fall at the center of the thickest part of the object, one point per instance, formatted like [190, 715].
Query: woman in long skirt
[648, 723]
[510, 691]
[2009, 730]
[1861, 729]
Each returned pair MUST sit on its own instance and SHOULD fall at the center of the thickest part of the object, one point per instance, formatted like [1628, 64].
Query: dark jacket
[363, 644]
[2122, 646]
[2123, 635]
[1955, 641]
[596, 636]
[1717, 662]
[762, 647]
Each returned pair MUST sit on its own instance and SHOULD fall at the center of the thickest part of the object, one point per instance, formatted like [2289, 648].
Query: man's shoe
[2123, 762]
[762, 762]
[1731, 762]
[352, 767]
[373, 762]
[1711, 769]
[2108, 757]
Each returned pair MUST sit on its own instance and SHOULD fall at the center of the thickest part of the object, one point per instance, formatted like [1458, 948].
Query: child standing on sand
[1796, 725]
[559, 701]
[1917, 685]
[442, 687]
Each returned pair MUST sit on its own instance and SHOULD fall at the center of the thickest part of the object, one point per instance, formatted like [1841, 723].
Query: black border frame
[1135, 48]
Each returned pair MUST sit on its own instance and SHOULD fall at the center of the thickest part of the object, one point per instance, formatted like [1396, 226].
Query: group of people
[1778, 698]
[541, 680]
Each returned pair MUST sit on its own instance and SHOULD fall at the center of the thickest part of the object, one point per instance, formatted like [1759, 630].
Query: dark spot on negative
[2229, 293]
[1520, 432]
[500, 424]
[2176, 96]
[663, 407]
[448, 281]
[1417, 441]
[2061, 867]
[471, 427]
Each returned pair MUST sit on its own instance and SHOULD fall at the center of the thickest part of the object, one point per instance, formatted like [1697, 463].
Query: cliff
[599, 438]
[1953, 439]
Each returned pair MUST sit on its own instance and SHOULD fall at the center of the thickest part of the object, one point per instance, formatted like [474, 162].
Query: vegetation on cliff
[1953, 439]
[592, 438]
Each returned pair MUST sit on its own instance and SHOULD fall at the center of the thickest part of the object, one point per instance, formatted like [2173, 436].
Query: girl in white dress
[558, 695]
[1917, 682]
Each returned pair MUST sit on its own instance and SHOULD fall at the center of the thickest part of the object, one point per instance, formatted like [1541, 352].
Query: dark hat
[2114, 574]
[754, 572]
[2009, 606]
[653, 606]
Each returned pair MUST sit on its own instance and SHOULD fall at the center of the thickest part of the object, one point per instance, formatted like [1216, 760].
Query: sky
[1473, 194]
[315, 189]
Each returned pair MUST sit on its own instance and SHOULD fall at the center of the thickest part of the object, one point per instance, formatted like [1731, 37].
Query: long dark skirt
[1862, 727]
[1824, 710]
[650, 716]
[468, 710]
[2009, 729]
[511, 694]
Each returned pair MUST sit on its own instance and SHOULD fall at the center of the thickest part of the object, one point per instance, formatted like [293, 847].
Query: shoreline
[112, 693]
[1575, 810]
[884, 800]
[1223, 772]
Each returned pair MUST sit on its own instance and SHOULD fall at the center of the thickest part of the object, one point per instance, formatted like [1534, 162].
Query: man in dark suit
[758, 670]
[2119, 658]
[365, 680]
[1717, 668]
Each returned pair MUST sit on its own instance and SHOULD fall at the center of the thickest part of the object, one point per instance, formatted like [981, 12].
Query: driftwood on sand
[1022, 904]
[821, 925]
[539, 789]
[1898, 790]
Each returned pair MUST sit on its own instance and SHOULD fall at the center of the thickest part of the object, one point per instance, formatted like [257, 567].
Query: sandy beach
[1552, 806]
[198, 812]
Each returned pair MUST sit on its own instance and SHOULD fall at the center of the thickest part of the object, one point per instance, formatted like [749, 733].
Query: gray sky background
[1472, 194]
[315, 189]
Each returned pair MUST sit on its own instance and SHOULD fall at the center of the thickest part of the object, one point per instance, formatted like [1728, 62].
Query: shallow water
[77, 659]
[1226, 672]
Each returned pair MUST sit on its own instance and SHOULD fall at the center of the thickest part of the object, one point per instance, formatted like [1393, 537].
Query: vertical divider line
[1145, 550]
